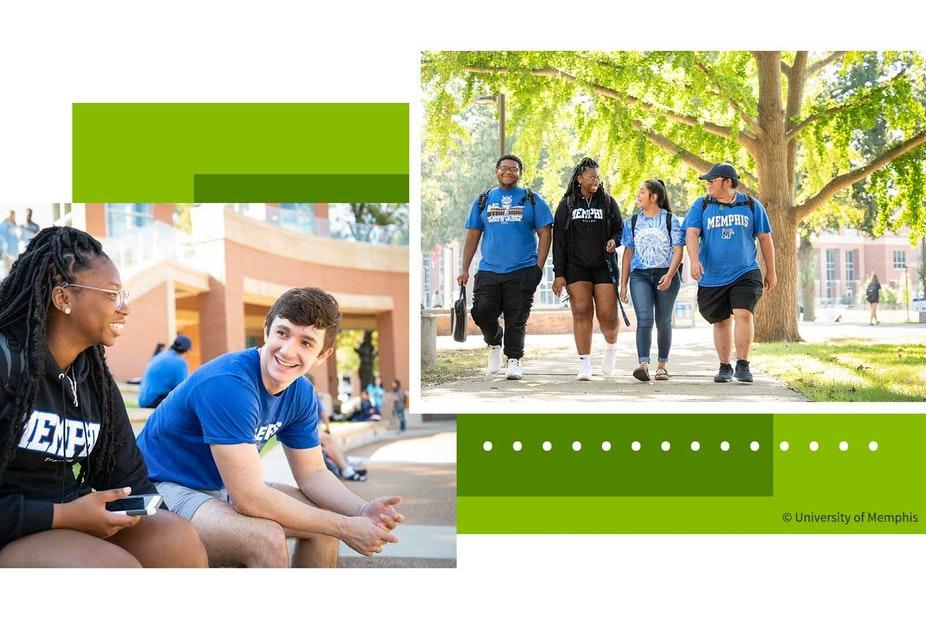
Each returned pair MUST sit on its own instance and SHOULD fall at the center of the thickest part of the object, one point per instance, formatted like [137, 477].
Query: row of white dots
[666, 446]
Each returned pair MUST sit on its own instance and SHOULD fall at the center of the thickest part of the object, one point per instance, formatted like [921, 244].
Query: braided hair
[52, 258]
[573, 187]
[657, 186]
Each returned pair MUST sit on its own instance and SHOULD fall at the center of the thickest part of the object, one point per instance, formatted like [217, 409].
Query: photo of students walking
[587, 225]
[653, 243]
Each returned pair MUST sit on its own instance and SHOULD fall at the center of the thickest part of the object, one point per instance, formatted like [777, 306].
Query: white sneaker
[514, 369]
[495, 359]
[607, 367]
[585, 369]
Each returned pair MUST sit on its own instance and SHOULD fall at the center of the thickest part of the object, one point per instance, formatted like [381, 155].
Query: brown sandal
[641, 373]
[662, 373]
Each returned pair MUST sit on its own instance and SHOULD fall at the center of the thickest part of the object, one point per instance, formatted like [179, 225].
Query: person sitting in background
[398, 403]
[164, 372]
[368, 409]
[331, 450]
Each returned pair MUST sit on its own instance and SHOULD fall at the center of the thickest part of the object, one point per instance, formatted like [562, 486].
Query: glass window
[851, 265]
[125, 218]
[900, 259]
[426, 279]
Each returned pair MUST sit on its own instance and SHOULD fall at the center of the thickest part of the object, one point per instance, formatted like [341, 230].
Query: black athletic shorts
[595, 275]
[717, 304]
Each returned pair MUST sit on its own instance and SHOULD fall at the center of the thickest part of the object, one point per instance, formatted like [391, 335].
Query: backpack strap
[669, 226]
[483, 197]
[528, 196]
[633, 227]
[14, 360]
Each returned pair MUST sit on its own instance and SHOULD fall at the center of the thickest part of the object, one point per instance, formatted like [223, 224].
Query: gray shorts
[185, 501]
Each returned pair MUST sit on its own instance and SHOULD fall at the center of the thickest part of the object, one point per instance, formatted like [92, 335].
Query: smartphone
[142, 504]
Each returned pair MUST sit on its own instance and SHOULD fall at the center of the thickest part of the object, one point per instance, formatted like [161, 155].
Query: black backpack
[527, 197]
[14, 360]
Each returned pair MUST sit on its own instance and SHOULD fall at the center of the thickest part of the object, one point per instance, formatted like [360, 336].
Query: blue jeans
[647, 302]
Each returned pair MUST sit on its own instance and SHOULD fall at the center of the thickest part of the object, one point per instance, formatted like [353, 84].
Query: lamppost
[499, 100]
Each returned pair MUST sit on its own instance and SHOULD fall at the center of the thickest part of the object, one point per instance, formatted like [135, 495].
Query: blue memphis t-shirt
[165, 371]
[728, 238]
[509, 240]
[224, 402]
[652, 247]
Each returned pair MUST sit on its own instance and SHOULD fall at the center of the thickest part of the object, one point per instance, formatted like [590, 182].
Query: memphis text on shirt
[728, 220]
[46, 433]
[266, 432]
[588, 213]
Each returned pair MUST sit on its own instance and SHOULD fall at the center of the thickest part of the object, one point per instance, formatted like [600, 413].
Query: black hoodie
[56, 437]
[593, 223]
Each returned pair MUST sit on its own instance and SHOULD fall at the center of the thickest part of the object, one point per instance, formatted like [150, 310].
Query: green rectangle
[300, 188]
[150, 152]
[592, 455]
[872, 485]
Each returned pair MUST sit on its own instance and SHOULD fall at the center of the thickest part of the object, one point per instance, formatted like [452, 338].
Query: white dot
[516, 445]
[665, 445]
[843, 446]
[577, 446]
[547, 445]
[635, 446]
[873, 445]
[724, 446]
[784, 445]
[814, 446]
[606, 446]
[696, 446]
[754, 446]
[487, 446]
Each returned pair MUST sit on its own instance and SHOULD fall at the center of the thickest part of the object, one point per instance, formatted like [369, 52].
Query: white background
[53, 54]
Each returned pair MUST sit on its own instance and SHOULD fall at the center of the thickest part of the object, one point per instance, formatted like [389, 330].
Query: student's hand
[664, 282]
[88, 514]
[771, 279]
[697, 270]
[558, 284]
[366, 537]
[624, 298]
[382, 511]
[463, 277]
[610, 246]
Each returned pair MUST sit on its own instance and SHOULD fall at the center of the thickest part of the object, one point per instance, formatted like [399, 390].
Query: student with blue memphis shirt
[721, 232]
[509, 220]
[653, 243]
[164, 372]
[203, 445]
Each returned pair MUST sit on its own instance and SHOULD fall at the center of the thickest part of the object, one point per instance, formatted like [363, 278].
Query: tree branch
[841, 182]
[748, 119]
[785, 68]
[688, 157]
[743, 139]
[800, 126]
[819, 64]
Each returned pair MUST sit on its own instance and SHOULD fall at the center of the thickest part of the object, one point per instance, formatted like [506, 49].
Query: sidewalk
[550, 365]
[420, 466]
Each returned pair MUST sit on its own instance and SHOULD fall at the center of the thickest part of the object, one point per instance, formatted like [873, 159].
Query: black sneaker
[725, 374]
[742, 371]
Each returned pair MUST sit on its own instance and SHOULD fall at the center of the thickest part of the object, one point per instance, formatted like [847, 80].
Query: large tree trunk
[776, 313]
[807, 274]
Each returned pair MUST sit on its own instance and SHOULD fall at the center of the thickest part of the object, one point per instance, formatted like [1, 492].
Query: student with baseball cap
[721, 232]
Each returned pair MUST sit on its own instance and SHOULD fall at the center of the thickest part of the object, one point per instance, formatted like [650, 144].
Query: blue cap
[181, 344]
[721, 170]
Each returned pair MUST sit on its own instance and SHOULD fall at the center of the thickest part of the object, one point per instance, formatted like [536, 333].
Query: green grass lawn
[847, 369]
[453, 365]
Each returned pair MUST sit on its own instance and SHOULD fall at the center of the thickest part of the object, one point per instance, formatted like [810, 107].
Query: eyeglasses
[595, 179]
[120, 297]
[711, 181]
[508, 168]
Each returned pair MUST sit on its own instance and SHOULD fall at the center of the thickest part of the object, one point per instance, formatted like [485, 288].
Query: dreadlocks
[573, 187]
[52, 258]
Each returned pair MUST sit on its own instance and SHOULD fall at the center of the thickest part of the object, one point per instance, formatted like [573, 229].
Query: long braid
[573, 187]
[51, 259]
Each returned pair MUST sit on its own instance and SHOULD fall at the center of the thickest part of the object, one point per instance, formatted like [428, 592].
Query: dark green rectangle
[618, 471]
[150, 152]
[300, 188]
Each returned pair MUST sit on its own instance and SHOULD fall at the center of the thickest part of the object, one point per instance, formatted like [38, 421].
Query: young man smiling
[202, 446]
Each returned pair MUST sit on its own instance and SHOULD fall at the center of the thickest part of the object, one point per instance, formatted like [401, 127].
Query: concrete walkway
[550, 365]
[550, 385]
[420, 466]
